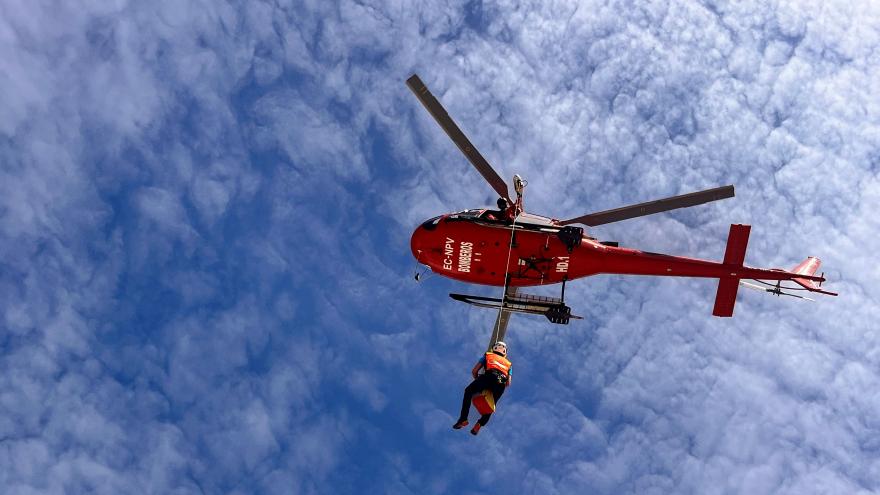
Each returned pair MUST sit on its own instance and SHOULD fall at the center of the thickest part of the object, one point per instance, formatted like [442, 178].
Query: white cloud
[204, 226]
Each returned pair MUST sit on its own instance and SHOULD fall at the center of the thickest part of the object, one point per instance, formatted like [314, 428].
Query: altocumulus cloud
[204, 220]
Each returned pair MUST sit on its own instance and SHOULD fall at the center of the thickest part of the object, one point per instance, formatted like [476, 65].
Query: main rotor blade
[501, 321]
[651, 207]
[447, 124]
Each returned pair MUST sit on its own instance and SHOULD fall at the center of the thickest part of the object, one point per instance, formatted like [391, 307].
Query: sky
[205, 276]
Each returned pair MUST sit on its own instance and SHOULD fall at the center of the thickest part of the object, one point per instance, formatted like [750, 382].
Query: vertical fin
[808, 268]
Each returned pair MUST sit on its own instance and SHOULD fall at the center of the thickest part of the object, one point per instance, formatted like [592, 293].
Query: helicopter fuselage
[469, 247]
[511, 248]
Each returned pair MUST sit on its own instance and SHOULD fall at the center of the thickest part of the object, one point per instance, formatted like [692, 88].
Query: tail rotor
[776, 289]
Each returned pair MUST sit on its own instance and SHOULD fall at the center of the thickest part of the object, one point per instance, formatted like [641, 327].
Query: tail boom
[804, 274]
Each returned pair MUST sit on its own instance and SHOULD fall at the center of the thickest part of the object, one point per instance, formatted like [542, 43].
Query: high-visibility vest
[497, 362]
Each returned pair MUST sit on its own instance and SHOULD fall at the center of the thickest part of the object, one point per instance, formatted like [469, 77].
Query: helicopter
[510, 248]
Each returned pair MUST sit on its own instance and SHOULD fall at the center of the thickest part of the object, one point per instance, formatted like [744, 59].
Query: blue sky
[205, 277]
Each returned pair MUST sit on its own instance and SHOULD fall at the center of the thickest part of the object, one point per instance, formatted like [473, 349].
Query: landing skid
[554, 309]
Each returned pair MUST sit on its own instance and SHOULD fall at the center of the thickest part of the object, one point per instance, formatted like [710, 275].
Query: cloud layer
[206, 284]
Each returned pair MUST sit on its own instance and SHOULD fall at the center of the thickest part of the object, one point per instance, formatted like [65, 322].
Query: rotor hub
[519, 184]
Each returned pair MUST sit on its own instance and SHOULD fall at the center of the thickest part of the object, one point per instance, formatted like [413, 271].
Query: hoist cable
[506, 279]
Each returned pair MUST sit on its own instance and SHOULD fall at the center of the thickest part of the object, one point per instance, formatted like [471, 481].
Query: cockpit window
[492, 215]
[432, 223]
[465, 214]
[469, 213]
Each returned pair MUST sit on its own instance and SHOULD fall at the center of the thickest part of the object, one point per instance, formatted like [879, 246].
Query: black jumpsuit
[488, 380]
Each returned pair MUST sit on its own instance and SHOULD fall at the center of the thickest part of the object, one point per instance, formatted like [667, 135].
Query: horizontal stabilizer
[725, 298]
[734, 256]
[737, 240]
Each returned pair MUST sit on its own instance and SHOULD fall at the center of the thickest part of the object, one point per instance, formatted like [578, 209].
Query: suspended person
[496, 378]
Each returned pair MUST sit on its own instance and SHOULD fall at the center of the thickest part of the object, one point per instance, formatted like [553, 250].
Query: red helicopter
[507, 247]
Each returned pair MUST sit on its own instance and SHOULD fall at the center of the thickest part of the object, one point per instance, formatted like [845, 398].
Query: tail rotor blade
[778, 292]
[753, 286]
[797, 296]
